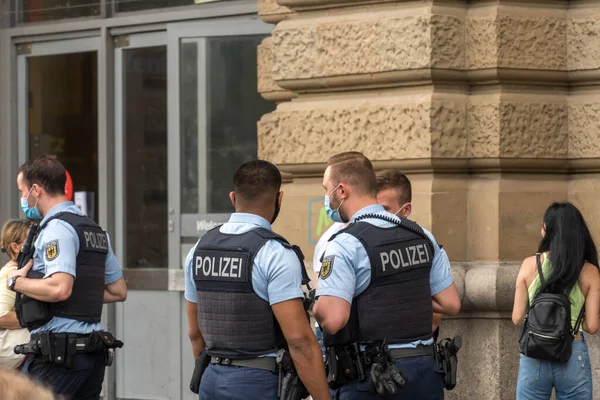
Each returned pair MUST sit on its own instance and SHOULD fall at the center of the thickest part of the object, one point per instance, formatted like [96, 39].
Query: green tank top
[576, 296]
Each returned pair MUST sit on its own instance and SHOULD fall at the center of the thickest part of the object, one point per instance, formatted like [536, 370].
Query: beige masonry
[492, 109]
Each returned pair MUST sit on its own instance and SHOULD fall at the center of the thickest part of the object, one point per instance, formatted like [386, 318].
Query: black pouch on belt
[202, 363]
[47, 346]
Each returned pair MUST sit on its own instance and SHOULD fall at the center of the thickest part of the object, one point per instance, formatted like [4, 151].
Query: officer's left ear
[232, 198]
[407, 210]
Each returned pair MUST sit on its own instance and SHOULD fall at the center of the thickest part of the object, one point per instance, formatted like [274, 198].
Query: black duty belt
[266, 363]
[419, 351]
[83, 343]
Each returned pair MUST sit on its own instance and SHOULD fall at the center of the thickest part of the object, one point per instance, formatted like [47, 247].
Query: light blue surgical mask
[30, 212]
[333, 214]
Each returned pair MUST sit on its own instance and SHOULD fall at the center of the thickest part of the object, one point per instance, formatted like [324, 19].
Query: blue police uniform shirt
[351, 270]
[68, 247]
[276, 273]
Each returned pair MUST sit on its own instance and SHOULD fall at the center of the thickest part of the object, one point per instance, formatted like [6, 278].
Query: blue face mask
[333, 214]
[30, 212]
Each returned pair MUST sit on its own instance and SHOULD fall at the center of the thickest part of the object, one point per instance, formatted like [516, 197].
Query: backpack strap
[578, 323]
[539, 268]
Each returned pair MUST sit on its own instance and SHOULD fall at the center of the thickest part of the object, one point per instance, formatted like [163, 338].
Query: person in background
[569, 264]
[13, 235]
[17, 386]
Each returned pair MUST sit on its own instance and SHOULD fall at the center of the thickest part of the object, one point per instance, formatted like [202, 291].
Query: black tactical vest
[87, 295]
[397, 303]
[234, 321]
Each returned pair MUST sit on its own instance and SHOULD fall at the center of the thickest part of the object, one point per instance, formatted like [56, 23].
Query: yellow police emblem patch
[326, 267]
[51, 249]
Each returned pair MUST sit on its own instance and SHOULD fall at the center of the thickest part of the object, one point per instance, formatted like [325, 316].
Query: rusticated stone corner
[270, 11]
[448, 129]
[351, 44]
[482, 42]
[448, 38]
[532, 42]
[584, 130]
[584, 42]
[516, 41]
[533, 130]
[518, 130]
[266, 86]
[484, 130]
[383, 129]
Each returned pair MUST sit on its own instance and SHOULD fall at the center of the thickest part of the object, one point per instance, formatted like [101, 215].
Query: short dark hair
[354, 169]
[255, 180]
[394, 179]
[46, 171]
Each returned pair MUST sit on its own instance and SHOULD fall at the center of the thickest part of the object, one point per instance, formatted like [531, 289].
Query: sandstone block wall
[492, 108]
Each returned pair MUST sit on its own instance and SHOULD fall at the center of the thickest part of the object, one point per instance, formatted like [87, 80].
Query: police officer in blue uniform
[381, 280]
[245, 300]
[62, 289]
[394, 193]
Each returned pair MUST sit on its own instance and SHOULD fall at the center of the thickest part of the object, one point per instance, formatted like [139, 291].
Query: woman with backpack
[557, 293]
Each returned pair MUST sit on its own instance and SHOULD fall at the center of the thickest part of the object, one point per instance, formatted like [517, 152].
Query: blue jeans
[572, 380]
[237, 383]
[425, 382]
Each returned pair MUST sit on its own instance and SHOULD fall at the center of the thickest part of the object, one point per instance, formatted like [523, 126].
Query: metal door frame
[138, 279]
[185, 225]
[82, 44]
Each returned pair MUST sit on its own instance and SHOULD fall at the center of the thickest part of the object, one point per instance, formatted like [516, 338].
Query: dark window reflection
[145, 81]
[46, 10]
[63, 115]
[138, 5]
[231, 106]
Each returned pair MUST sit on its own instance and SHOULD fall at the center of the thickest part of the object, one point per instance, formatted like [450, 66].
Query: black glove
[386, 381]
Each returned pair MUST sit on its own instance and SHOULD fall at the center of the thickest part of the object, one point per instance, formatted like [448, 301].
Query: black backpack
[547, 333]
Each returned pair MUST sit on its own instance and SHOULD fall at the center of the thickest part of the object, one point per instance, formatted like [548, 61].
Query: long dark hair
[570, 244]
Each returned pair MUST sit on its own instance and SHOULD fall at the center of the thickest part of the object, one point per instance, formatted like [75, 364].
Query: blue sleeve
[441, 276]
[112, 272]
[338, 277]
[60, 245]
[190, 285]
[277, 274]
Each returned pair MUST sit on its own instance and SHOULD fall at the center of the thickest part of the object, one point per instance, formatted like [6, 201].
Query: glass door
[149, 320]
[214, 107]
[58, 110]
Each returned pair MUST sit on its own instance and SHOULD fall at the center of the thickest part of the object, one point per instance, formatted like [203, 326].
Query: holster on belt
[202, 363]
[341, 366]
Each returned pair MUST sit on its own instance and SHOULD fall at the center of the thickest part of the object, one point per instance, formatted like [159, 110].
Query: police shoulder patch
[51, 250]
[326, 267]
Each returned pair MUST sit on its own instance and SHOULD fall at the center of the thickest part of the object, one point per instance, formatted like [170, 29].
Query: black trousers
[82, 382]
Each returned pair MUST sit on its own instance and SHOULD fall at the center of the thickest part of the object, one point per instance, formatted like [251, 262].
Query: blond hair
[13, 231]
[17, 386]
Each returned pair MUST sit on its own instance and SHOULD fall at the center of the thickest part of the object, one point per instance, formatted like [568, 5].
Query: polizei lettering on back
[95, 241]
[224, 267]
[404, 256]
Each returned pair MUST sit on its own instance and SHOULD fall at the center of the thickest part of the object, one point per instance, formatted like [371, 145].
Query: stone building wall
[492, 108]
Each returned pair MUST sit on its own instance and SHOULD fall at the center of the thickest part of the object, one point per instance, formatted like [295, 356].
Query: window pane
[145, 99]
[63, 115]
[138, 5]
[46, 10]
[220, 107]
